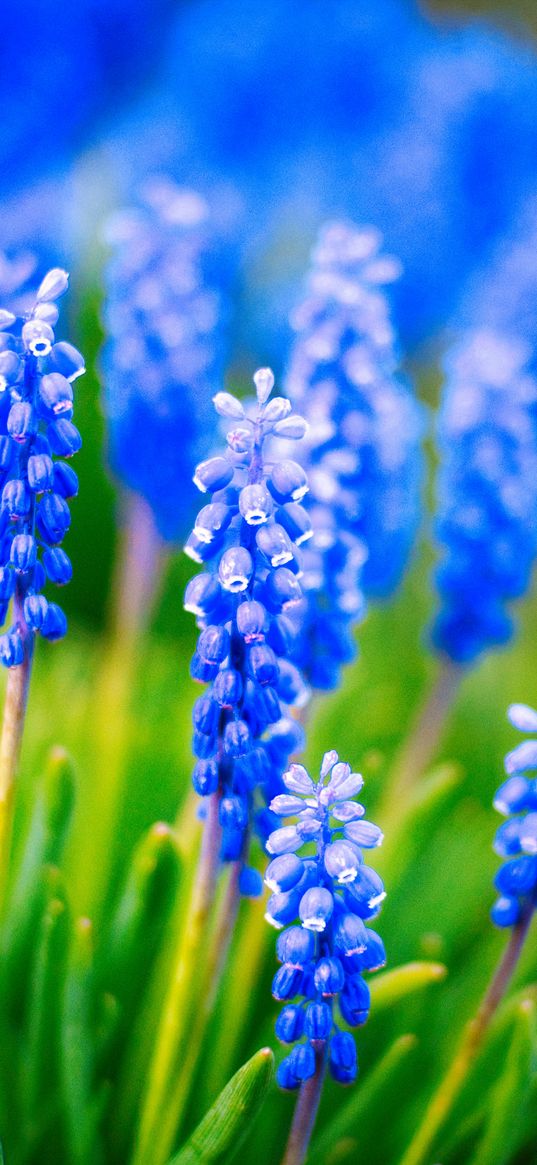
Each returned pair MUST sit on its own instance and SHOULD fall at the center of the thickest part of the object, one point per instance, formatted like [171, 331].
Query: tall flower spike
[516, 839]
[246, 537]
[363, 447]
[487, 492]
[36, 434]
[163, 359]
[324, 901]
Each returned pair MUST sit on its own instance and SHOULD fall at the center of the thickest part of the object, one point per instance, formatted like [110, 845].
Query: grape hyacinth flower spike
[516, 839]
[37, 435]
[324, 901]
[247, 536]
[362, 453]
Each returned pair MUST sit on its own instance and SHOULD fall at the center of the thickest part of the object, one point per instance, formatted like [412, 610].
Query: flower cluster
[247, 536]
[516, 839]
[36, 407]
[487, 492]
[164, 355]
[331, 894]
[362, 452]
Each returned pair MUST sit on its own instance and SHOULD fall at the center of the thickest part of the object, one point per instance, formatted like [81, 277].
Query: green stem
[306, 1110]
[138, 573]
[11, 739]
[421, 742]
[472, 1039]
[155, 1134]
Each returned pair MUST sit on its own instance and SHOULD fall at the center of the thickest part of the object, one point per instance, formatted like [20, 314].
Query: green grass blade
[80, 1103]
[219, 1136]
[509, 1097]
[392, 986]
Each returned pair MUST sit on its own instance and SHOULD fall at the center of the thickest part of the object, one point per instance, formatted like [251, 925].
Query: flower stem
[472, 1039]
[11, 738]
[155, 1135]
[421, 741]
[306, 1111]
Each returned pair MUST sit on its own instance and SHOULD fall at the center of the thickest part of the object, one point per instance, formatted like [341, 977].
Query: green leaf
[219, 1136]
[391, 986]
[509, 1097]
[404, 829]
[82, 1106]
[338, 1141]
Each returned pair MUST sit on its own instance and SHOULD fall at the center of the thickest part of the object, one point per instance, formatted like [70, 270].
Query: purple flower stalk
[248, 537]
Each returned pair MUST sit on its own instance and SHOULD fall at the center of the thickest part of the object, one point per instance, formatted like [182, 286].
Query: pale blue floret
[516, 839]
[163, 361]
[487, 492]
[36, 407]
[243, 736]
[323, 901]
[362, 451]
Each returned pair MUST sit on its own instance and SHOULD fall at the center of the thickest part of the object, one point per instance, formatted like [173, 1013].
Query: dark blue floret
[324, 957]
[516, 839]
[35, 411]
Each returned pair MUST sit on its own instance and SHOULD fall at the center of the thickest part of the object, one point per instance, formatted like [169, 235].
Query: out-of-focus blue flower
[165, 316]
[323, 902]
[516, 839]
[36, 434]
[242, 600]
[362, 452]
[487, 492]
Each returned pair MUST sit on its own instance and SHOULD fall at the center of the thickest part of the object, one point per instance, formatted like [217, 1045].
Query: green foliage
[218, 1138]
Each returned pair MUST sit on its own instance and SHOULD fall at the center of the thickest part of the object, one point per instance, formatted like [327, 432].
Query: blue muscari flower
[164, 314]
[243, 600]
[487, 492]
[516, 839]
[36, 428]
[363, 447]
[323, 900]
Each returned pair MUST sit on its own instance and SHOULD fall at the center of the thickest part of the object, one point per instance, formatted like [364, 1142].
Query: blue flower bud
[64, 437]
[290, 1024]
[228, 405]
[342, 861]
[284, 872]
[212, 521]
[329, 976]
[205, 777]
[213, 644]
[285, 1076]
[201, 595]
[316, 908]
[10, 367]
[363, 833]
[522, 717]
[343, 1061]
[522, 758]
[55, 623]
[11, 648]
[285, 805]
[298, 780]
[35, 611]
[350, 934]
[53, 517]
[23, 552]
[56, 395]
[512, 796]
[274, 543]
[65, 480]
[37, 337]
[205, 715]
[233, 813]
[264, 383]
[232, 845]
[262, 664]
[364, 895]
[282, 589]
[7, 583]
[374, 956]
[318, 1021]
[67, 360]
[40, 472]
[356, 993]
[228, 688]
[291, 428]
[288, 481]
[213, 474]
[295, 945]
[284, 841]
[235, 569]
[54, 285]
[237, 738]
[296, 522]
[57, 565]
[203, 746]
[6, 452]
[302, 1060]
[517, 877]
[507, 841]
[16, 500]
[506, 911]
[21, 421]
[250, 882]
[255, 504]
[282, 908]
[287, 982]
[251, 620]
